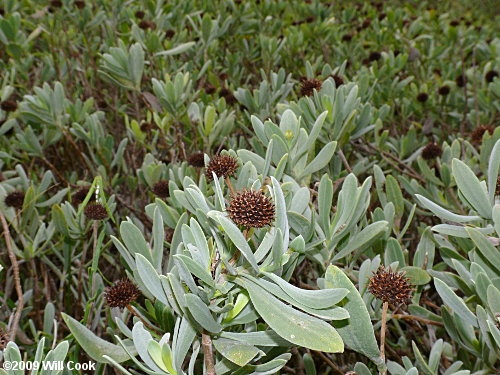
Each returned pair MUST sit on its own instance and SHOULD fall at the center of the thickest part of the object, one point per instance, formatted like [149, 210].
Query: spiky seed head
[79, 196]
[478, 133]
[121, 293]
[161, 189]
[490, 76]
[431, 151]
[15, 199]
[338, 80]
[146, 24]
[9, 105]
[309, 85]
[197, 160]
[444, 90]
[169, 33]
[4, 339]
[390, 286]
[225, 93]
[347, 38]
[139, 14]
[454, 23]
[251, 209]
[209, 89]
[95, 211]
[461, 80]
[80, 4]
[375, 56]
[222, 166]
[422, 97]
[56, 3]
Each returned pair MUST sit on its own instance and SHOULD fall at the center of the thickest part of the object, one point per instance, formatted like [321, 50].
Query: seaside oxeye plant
[249, 187]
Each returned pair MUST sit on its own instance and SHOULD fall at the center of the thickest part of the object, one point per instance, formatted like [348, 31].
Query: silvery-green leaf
[363, 238]
[493, 170]
[443, 213]
[236, 351]
[181, 48]
[490, 253]
[357, 331]
[134, 240]
[258, 338]
[316, 299]
[150, 278]
[321, 160]
[158, 239]
[293, 325]
[236, 237]
[201, 313]
[471, 188]
[417, 275]
[196, 269]
[455, 303]
[93, 345]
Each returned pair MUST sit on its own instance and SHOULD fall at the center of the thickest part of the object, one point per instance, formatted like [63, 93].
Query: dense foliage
[250, 187]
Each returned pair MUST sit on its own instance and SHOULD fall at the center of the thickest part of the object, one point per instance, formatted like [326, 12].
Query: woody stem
[230, 185]
[385, 306]
[133, 312]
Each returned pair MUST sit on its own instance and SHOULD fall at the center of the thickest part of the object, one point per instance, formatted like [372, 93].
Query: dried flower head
[227, 94]
[422, 97]
[490, 76]
[431, 151]
[375, 56]
[454, 23]
[347, 38]
[169, 33]
[161, 189]
[338, 80]
[8, 105]
[121, 294]
[15, 199]
[461, 80]
[197, 160]
[80, 4]
[4, 339]
[309, 85]
[477, 134]
[444, 90]
[209, 89]
[146, 24]
[251, 209]
[56, 3]
[389, 286]
[95, 211]
[147, 126]
[222, 166]
[79, 196]
[140, 14]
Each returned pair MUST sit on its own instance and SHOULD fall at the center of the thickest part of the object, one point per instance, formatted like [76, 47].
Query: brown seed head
[145, 25]
[140, 14]
[375, 56]
[389, 286]
[338, 80]
[161, 189]
[95, 211]
[477, 134]
[8, 105]
[222, 166]
[4, 339]
[79, 196]
[347, 38]
[251, 209]
[461, 80]
[169, 33]
[56, 3]
[490, 76]
[422, 97]
[80, 4]
[209, 89]
[431, 151]
[309, 85]
[444, 90]
[15, 199]
[121, 294]
[197, 160]
[169, 234]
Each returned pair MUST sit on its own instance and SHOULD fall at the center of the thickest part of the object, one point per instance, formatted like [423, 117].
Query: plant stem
[230, 185]
[385, 306]
[95, 227]
[133, 312]
[206, 342]
[17, 280]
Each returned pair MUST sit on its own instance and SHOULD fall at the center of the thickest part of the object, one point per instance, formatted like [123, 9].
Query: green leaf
[363, 238]
[456, 303]
[417, 275]
[236, 351]
[443, 213]
[293, 325]
[134, 240]
[150, 278]
[316, 299]
[493, 169]
[201, 313]
[357, 331]
[321, 160]
[485, 247]
[93, 345]
[471, 188]
[394, 194]
[181, 48]
[236, 237]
